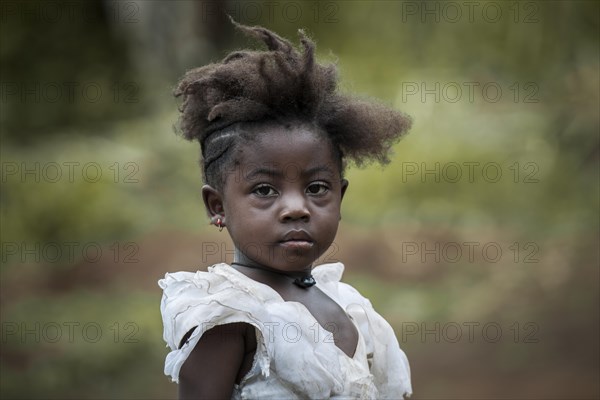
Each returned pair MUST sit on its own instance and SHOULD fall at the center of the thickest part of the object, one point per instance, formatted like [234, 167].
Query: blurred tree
[60, 67]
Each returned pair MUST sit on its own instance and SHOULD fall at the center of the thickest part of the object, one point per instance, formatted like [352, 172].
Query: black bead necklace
[304, 281]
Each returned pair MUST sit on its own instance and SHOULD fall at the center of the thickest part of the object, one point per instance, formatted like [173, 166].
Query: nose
[294, 208]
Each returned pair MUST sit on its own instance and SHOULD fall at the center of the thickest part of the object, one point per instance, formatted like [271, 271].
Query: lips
[297, 235]
[297, 239]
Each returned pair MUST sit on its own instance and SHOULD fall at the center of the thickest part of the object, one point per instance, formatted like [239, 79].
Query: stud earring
[219, 224]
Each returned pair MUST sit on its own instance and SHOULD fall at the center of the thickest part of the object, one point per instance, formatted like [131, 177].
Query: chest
[328, 316]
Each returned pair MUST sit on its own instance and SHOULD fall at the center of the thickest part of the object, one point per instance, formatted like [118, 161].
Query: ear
[213, 202]
[345, 184]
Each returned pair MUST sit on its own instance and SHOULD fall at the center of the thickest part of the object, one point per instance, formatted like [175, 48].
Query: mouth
[297, 240]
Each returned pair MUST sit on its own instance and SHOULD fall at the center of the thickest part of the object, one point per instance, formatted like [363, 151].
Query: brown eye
[264, 191]
[317, 188]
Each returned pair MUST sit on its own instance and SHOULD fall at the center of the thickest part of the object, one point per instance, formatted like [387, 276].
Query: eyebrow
[281, 173]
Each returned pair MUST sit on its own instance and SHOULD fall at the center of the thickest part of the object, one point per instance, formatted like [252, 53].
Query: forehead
[275, 149]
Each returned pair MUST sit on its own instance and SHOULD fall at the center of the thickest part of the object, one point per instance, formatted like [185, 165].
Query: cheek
[330, 208]
[329, 221]
[244, 221]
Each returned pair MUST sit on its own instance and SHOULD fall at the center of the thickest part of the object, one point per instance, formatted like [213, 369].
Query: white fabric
[295, 357]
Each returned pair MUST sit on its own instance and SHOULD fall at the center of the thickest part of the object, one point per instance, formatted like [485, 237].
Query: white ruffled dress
[295, 358]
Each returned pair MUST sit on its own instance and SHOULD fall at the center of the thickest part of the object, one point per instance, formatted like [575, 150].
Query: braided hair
[282, 86]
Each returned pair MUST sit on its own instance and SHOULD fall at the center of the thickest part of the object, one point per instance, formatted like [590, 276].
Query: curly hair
[280, 85]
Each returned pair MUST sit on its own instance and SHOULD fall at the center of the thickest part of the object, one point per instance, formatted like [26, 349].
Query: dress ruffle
[203, 300]
[290, 363]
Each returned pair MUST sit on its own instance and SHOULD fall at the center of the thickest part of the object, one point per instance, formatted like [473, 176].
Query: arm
[211, 369]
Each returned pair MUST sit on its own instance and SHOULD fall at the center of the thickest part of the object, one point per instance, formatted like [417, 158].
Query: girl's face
[281, 202]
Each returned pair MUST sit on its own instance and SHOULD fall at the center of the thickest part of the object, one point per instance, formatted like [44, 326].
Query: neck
[303, 278]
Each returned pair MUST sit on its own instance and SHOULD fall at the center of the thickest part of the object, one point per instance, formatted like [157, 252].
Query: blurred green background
[478, 243]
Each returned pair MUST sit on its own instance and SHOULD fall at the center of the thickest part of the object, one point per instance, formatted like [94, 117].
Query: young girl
[275, 136]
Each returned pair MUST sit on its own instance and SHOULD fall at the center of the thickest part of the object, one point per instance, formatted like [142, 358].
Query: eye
[265, 191]
[317, 188]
